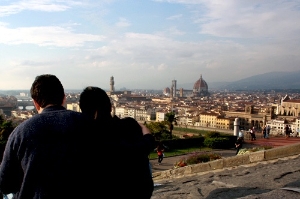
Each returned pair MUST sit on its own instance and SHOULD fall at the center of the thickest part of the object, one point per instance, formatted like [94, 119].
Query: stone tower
[112, 84]
[173, 88]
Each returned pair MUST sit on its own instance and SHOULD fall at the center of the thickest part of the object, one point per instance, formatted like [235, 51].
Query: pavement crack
[188, 181]
[200, 192]
[283, 175]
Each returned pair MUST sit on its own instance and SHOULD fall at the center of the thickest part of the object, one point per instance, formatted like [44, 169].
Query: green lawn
[187, 130]
[174, 152]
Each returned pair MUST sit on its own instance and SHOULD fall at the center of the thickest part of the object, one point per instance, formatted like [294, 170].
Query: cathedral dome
[200, 87]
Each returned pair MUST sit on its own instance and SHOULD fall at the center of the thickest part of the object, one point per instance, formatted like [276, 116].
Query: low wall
[270, 154]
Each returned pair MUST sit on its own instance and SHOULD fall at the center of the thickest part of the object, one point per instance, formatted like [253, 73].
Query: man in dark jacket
[238, 144]
[40, 160]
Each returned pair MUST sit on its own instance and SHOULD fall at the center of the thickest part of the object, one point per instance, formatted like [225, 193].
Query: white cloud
[174, 17]
[249, 19]
[45, 36]
[36, 5]
[123, 23]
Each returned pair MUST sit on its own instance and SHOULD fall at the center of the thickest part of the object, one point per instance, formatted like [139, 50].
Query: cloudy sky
[145, 43]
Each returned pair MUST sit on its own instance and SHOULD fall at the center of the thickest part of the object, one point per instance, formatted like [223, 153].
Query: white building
[160, 116]
[73, 107]
[22, 114]
[277, 126]
[297, 125]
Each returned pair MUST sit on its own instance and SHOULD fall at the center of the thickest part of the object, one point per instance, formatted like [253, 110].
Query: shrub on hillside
[184, 143]
[213, 134]
[196, 158]
[216, 142]
[254, 149]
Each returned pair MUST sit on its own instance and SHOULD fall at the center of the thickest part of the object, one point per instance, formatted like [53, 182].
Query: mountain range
[266, 81]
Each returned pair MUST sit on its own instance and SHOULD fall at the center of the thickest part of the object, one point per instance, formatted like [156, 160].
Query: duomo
[200, 89]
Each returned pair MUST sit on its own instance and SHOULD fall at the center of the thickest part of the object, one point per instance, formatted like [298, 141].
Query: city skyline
[145, 44]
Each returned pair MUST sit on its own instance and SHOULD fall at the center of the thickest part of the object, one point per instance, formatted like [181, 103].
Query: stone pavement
[253, 181]
[257, 180]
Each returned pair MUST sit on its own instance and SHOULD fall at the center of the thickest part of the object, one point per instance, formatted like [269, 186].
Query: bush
[213, 134]
[184, 143]
[217, 142]
[254, 149]
[196, 158]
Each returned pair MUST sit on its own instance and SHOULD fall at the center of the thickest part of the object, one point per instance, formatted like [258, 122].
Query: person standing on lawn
[264, 131]
[238, 144]
[287, 131]
[268, 131]
[160, 152]
[252, 133]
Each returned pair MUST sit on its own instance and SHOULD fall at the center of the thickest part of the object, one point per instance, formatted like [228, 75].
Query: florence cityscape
[195, 107]
[219, 66]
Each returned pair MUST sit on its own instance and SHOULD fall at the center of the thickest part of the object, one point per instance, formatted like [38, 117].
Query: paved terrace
[262, 174]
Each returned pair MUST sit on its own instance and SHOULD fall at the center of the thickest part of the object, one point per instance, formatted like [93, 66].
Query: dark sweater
[41, 156]
[135, 180]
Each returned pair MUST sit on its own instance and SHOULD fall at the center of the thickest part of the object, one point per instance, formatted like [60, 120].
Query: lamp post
[236, 127]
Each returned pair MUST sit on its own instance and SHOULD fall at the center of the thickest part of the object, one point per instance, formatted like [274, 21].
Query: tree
[170, 118]
[158, 129]
[6, 127]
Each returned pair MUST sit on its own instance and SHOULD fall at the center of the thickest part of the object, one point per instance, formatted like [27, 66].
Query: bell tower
[173, 88]
[112, 84]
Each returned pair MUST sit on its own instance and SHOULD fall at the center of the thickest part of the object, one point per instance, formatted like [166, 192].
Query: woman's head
[132, 128]
[94, 101]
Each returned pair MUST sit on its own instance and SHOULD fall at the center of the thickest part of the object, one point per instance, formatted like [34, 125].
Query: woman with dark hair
[118, 137]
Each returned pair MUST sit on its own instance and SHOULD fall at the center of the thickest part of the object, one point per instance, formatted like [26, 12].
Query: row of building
[215, 109]
[201, 113]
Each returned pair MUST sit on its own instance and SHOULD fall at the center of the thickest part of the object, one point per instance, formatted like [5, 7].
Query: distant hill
[272, 80]
[266, 81]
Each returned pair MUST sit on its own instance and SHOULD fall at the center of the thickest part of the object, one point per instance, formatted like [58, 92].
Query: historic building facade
[288, 107]
[252, 117]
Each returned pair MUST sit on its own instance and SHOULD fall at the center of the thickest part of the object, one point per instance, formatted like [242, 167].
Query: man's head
[47, 90]
[94, 100]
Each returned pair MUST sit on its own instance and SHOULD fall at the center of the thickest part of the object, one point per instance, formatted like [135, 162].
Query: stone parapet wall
[254, 157]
